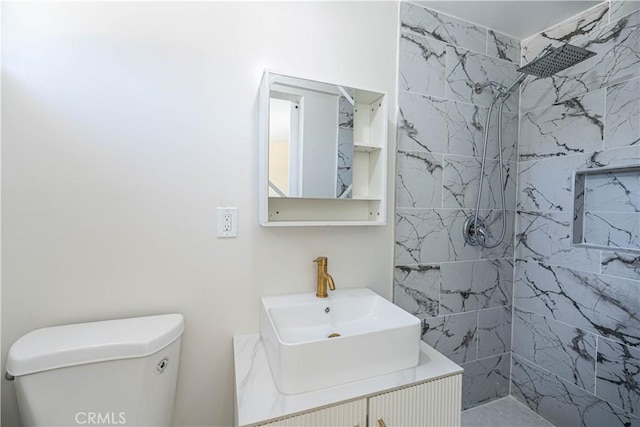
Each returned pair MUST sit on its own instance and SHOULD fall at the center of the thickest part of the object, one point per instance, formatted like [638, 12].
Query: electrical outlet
[227, 222]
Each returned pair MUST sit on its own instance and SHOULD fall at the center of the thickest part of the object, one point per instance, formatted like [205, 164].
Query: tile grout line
[546, 371]
[515, 229]
[595, 374]
[478, 332]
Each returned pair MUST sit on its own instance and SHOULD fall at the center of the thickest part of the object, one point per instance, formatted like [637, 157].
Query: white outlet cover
[227, 222]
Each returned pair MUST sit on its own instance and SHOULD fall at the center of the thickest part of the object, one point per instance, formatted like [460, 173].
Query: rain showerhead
[553, 60]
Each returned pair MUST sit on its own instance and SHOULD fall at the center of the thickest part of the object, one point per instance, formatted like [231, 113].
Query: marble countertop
[258, 399]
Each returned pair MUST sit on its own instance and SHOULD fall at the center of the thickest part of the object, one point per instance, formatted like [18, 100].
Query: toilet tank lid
[82, 343]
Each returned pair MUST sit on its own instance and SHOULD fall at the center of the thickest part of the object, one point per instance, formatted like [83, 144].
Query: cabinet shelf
[365, 148]
[311, 212]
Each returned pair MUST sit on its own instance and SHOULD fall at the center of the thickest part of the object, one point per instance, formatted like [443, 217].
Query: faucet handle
[322, 260]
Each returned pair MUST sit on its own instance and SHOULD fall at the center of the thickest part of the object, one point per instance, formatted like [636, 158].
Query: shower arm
[478, 87]
[502, 92]
[515, 84]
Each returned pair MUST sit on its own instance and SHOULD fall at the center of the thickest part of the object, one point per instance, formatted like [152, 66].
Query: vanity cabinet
[429, 394]
[346, 414]
[429, 404]
[322, 153]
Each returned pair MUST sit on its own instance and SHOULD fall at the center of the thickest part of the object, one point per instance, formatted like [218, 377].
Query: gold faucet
[323, 277]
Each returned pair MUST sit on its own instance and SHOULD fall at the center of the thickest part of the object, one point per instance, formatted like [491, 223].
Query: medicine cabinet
[322, 153]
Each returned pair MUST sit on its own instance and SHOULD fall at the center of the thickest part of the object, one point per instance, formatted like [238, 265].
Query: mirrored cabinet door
[322, 153]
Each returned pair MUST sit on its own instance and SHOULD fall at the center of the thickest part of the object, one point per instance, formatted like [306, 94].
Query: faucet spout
[324, 278]
[329, 280]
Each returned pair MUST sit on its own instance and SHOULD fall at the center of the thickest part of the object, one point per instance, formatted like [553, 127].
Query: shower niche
[606, 212]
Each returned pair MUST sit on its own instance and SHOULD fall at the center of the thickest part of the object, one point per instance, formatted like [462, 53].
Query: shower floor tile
[505, 412]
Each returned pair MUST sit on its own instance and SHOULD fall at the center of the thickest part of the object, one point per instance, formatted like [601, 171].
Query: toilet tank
[119, 372]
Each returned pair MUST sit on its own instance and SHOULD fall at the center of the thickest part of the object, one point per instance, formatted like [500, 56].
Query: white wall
[1, 7]
[124, 126]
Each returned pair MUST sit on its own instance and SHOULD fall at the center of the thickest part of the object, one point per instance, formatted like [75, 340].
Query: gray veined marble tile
[613, 192]
[509, 137]
[465, 124]
[622, 120]
[618, 380]
[562, 349]
[546, 184]
[455, 335]
[612, 229]
[474, 285]
[566, 32]
[600, 304]
[422, 65]
[546, 237]
[423, 124]
[461, 178]
[416, 289]
[465, 128]
[617, 48]
[429, 23]
[494, 331]
[561, 402]
[418, 179]
[444, 126]
[465, 68]
[621, 8]
[617, 59]
[439, 125]
[507, 182]
[613, 157]
[485, 380]
[426, 236]
[420, 236]
[568, 127]
[503, 46]
[621, 264]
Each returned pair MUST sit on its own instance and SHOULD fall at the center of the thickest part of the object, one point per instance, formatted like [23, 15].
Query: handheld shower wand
[547, 63]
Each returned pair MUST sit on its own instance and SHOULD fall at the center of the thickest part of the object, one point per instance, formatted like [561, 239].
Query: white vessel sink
[375, 338]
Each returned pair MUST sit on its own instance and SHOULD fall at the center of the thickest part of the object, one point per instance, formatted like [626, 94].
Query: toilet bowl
[118, 372]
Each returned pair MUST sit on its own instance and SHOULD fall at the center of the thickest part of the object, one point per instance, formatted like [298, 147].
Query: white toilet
[119, 372]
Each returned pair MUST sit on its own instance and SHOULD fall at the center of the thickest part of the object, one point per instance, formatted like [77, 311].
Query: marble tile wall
[576, 311]
[462, 293]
